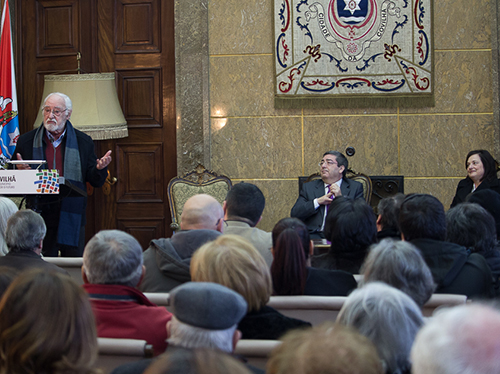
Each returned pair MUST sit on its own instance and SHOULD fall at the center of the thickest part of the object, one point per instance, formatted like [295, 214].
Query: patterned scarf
[72, 208]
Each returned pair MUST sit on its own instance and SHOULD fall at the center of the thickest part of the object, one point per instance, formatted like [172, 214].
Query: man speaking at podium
[71, 152]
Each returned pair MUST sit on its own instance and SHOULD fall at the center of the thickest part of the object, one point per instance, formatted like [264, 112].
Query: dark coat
[464, 189]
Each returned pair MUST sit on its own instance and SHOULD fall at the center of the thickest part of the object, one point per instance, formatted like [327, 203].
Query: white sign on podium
[29, 182]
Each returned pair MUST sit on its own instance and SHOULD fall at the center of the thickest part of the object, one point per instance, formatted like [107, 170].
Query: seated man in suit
[310, 207]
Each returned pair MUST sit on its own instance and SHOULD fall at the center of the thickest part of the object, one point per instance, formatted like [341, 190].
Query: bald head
[202, 212]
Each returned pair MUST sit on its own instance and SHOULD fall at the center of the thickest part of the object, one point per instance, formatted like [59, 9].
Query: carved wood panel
[143, 230]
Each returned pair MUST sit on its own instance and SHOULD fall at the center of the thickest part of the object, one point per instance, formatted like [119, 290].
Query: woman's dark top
[268, 324]
[323, 282]
[347, 261]
[464, 188]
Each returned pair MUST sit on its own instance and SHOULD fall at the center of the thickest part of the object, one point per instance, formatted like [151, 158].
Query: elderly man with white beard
[71, 152]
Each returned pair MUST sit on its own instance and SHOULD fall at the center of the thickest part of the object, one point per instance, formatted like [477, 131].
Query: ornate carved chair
[200, 180]
[358, 177]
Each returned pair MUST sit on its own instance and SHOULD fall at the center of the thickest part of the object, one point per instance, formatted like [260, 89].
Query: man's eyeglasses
[328, 162]
[57, 112]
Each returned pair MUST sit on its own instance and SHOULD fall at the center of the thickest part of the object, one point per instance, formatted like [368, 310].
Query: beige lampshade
[96, 109]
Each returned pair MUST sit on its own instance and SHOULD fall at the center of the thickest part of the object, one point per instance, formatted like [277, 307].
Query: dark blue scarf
[72, 208]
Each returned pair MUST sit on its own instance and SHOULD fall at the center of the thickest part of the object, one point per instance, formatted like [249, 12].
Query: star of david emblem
[352, 5]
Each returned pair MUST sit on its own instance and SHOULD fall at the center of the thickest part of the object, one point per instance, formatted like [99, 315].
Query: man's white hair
[187, 336]
[459, 340]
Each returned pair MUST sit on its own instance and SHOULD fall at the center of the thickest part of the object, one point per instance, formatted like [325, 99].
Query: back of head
[201, 212]
[386, 316]
[25, 230]
[489, 200]
[327, 348]
[291, 243]
[205, 316]
[350, 226]
[247, 201]
[113, 257]
[7, 208]
[471, 226]
[459, 340]
[341, 160]
[490, 165]
[400, 265]
[232, 261]
[196, 361]
[422, 217]
[388, 210]
[46, 326]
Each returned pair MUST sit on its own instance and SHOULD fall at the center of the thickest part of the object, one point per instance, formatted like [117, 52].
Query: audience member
[243, 209]
[291, 270]
[481, 175]
[423, 223]
[112, 268]
[206, 315]
[471, 226]
[316, 195]
[24, 237]
[389, 318]
[7, 276]
[400, 265]
[46, 326]
[350, 227]
[167, 259]
[196, 361]
[388, 215]
[459, 340]
[328, 348]
[233, 262]
[489, 200]
[7, 208]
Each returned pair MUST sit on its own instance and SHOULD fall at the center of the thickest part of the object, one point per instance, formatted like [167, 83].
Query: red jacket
[124, 312]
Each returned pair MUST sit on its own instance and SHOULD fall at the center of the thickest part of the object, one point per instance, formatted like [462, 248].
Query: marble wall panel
[457, 26]
[443, 189]
[268, 147]
[462, 83]
[243, 86]
[280, 197]
[375, 140]
[240, 26]
[436, 146]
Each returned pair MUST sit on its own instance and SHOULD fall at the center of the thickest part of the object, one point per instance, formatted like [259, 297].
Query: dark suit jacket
[464, 188]
[304, 206]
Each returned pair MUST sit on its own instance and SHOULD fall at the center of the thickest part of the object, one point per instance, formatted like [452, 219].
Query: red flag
[9, 130]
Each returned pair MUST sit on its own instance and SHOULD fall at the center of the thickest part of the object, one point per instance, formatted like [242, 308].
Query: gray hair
[187, 336]
[67, 100]
[386, 316]
[7, 209]
[400, 265]
[25, 229]
[459, 340]
[113, 257]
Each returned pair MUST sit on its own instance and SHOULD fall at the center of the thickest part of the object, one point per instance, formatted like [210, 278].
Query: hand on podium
[22, 166]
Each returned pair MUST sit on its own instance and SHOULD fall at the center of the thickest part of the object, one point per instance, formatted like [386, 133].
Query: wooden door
[135, 39]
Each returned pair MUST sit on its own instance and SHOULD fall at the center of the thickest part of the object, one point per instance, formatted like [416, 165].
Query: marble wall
[249, 140]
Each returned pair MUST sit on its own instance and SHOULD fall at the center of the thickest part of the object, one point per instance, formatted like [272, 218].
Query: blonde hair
[46, 326]
[327, 348]
[232, 261]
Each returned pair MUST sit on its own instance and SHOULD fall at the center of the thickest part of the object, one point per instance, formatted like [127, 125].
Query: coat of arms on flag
[9, 129]
[343, 53]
